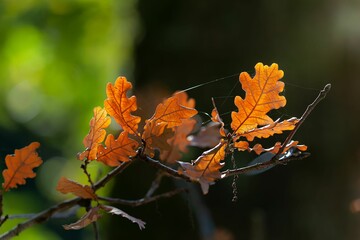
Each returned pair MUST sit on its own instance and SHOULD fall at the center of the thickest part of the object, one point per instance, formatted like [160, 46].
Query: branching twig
[275, 160]
[40, 217]
[307, 112]
[263, 165]
[48, 213]
[84, 168]
[143, 201]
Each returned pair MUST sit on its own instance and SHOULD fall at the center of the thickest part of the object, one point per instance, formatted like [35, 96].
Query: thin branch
[84, 168]
[155, 184]
[102, 182]
[263, 165]
[157, 164]
[40, 217]
[96, 230]
[275, 160]
[48, 213]
[143, 201]
[307, 112]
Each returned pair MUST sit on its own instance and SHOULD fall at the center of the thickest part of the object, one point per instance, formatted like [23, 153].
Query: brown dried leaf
[207, 137]
[91, 216]
[68, 186]
[116, 211]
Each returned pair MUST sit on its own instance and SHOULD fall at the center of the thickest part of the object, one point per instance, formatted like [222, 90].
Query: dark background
[163, 46]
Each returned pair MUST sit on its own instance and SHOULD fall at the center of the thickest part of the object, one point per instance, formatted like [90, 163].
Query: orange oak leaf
[262, 95]
[119, 106]
[68, 186]
[171, 112]
[269, 130]
[97, 134]
[179, 142]
[91, 216]
[168, 115]
[20, 166]
[205, 169]
[116, 211]
[117, 150]
[258, 148]
[157, 137]
[184, 100]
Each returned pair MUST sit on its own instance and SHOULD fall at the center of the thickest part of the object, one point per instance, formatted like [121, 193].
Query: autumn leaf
[116, 211]
[119, 106]
[20, 166]
[171, 112]
[179, 142]
[271, 129]
[97, 134]
[207, 137]
[91, 216]
[68, 186]
[157, 136]
[205, 169]
[117, 150]
[262, 95]
[258, 148]
[168, 115]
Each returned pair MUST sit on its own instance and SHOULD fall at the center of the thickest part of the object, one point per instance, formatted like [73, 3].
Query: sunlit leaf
[117, 150]
[205, 169]
[97, 134]
[119, 106]
[262, 95]
[20, 166]
[68, 186]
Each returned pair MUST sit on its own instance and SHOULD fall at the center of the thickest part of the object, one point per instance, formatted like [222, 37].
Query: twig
[155, 184]
[275, 159]
[307, 112]
[159, 165]
[84, 168]
[263, 165]
[64, 214]
[48, 213]
[96, 230]
[102, 182]
[143, 201]
[40, 217]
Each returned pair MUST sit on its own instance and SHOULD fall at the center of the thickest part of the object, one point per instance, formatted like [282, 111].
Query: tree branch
[40, 217]
[48, 213]
[142, 201]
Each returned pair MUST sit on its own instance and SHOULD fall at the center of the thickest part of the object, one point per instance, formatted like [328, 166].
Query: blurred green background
[57, 56]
